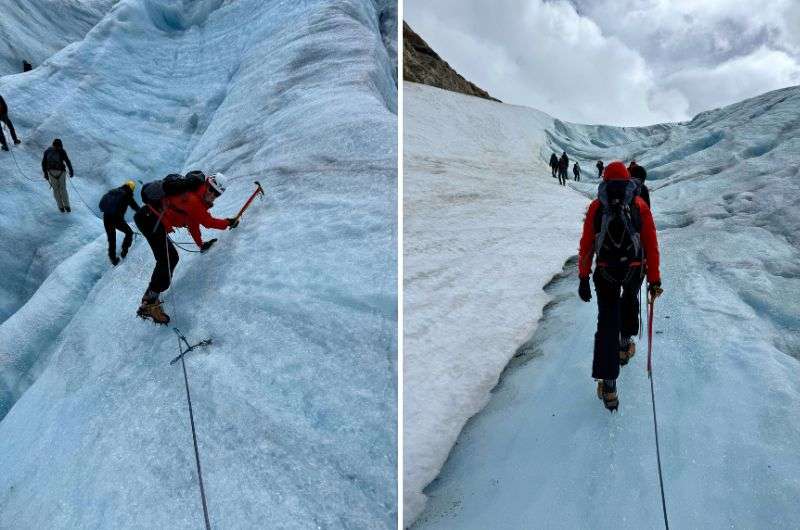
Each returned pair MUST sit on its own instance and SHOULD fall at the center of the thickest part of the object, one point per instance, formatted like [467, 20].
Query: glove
[584, 291]
[654, 289]
[207, 245]
[233, 223]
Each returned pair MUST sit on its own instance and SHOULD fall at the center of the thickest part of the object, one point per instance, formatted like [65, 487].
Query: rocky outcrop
[423, 65]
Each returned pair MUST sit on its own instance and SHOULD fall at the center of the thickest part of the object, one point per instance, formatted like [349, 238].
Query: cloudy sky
[618, 62]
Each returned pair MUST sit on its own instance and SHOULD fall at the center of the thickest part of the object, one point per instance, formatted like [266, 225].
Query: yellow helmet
[131, 184]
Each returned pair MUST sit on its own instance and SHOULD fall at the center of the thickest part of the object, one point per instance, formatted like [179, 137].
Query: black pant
[4, 119]
[112, 224]
[163, 249]
[554, 168]
[617, 315]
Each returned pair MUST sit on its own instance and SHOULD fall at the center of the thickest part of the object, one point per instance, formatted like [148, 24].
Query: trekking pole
[258, 191]
[651, 301]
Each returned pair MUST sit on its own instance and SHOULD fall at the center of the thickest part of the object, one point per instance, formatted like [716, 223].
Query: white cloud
[620, 62]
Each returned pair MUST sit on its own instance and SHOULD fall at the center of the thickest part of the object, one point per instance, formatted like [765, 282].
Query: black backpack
[618, 225]
[52, 159]
[112, 201]
[173, 184]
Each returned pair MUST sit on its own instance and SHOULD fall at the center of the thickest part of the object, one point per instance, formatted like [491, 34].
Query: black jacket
[60, 160]
[115, 202]
[3, 107]
[553, 160]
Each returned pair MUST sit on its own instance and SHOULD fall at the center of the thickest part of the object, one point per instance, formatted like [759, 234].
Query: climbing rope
[182, 338]
[80, 197]
[651, 310]
[181, 356]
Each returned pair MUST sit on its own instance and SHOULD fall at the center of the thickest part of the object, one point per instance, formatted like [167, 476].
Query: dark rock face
[423, 65]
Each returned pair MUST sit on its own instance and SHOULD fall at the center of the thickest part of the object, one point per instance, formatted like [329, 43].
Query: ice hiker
[170, 203]
[639, 175]
[576, 171]
[554, 164]
[26, 66]
[599, 167]
[114, 204]
[55, 162]
[619, 229]
[4, 119]
[563, 165]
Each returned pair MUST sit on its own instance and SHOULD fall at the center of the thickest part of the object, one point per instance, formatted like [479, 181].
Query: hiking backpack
[618, 225]
[173, 184]
[53, 160]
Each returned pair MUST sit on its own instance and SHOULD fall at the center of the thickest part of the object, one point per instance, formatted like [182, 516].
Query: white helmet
[216, 182]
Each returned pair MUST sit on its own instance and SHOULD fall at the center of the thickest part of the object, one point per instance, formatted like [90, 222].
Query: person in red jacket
[619, 229]
[189, 210]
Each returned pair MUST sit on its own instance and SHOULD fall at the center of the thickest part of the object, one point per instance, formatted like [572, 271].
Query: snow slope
[34, 31]
[544, 453]
[295, 401]
[476, 196]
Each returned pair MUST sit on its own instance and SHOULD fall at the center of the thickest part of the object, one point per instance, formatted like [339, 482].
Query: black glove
[654, 290]
[233, 222]
[585, 291]
[207, 245]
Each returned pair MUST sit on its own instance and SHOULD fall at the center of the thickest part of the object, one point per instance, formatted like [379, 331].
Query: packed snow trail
[545, 453]
[295, 402]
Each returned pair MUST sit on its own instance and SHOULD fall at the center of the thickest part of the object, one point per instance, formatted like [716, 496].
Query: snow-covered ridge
[725, 188]
[295, 402]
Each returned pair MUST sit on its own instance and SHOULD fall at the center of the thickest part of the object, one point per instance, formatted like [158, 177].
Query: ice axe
[258, 191]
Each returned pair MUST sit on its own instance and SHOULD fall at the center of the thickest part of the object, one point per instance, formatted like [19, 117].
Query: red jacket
[190, 210]
[648, 236]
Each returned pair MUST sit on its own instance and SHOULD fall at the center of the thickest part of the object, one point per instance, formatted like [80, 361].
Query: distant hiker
[619, 228]
[639, 175]
[175, 201]
[599, 167]
[576, 170]
[554, 164]
[26, 66]
[114, 204]
[4, 119]
[55, 162]
[563, 166]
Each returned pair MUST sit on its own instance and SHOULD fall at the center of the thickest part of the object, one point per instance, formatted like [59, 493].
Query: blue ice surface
[544, 453]
[295, 402]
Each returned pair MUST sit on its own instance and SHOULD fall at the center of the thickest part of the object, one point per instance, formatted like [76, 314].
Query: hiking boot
[607, 393]
[114, 260]
[152, 311]
[17, 141]
[62, 210]
[123, 253]
[67, 208]
[5, 148]
[627, 348]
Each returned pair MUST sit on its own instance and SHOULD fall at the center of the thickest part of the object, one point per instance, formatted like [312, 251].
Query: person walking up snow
[5, 119]
[639, 175]
[576, 171]
[114, 204]
[55, 162]
[563, 166]
[599, 167]
[554, 164]
[619, 229]
[170, 203]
